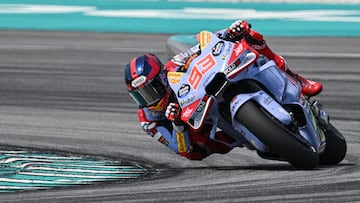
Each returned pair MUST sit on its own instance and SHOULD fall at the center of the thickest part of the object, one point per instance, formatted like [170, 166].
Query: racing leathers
[180, 138]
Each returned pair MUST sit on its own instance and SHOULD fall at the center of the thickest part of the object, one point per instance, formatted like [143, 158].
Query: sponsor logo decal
[205, 38]
[187, 100]
[138, 82]
[201, 106]
[232, 67]
[183, 91]
[174, 77]
[218, 48]
[238, 49]
[181, 142]
[189, 110]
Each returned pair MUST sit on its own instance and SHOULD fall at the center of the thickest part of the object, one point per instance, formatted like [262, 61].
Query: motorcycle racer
[145, 77]
[159, 113]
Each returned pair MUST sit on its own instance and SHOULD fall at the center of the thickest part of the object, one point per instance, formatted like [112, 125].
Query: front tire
[335, 149]
[276, 137]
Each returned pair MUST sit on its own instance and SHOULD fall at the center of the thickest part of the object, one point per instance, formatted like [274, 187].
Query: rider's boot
[309, 87]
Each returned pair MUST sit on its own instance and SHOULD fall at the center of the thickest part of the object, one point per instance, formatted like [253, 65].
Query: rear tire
[276, 137]
[335, 149]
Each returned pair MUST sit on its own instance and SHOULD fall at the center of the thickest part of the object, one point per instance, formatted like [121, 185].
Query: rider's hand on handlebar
[173, 112]
[238, 29]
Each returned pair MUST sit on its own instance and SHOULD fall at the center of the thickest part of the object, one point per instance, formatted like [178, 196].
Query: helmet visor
[149, 94]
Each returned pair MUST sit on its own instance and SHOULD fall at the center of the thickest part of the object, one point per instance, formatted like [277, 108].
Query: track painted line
[33, 170]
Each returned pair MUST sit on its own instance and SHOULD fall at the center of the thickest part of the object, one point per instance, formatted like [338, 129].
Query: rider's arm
[241, 29]
[175, 137]
[155, 125]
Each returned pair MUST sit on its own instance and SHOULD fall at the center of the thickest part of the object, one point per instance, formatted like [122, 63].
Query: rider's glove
[173, 112]
[149, 127]
[238, 29]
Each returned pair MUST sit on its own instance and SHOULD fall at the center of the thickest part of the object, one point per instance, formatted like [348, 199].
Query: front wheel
[335, 148]
[276, 137]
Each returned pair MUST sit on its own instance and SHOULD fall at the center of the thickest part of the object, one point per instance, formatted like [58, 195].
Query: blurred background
[271, 17]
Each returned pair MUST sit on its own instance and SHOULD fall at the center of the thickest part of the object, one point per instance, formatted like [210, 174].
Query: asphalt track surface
[65, 92]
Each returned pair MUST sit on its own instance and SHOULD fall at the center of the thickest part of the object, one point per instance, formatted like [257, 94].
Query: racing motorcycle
[233, 88]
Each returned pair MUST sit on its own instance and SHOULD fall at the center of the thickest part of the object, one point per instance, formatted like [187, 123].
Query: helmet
[145, 80]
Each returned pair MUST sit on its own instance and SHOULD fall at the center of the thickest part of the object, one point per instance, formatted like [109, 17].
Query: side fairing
[285, 90]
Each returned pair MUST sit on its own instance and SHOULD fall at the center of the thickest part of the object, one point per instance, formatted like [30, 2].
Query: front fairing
[217, 56]
[283, 88]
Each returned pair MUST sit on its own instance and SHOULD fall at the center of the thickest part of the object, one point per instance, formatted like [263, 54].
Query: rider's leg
[309, 88]
[201, 139]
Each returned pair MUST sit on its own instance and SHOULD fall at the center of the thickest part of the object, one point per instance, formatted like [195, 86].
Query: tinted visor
[150, 93]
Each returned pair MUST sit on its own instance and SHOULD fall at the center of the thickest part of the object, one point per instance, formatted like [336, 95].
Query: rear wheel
[335, 149]
[275, 136]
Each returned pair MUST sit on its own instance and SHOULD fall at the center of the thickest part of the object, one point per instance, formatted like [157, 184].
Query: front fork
[320, 114]
[320, 120]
